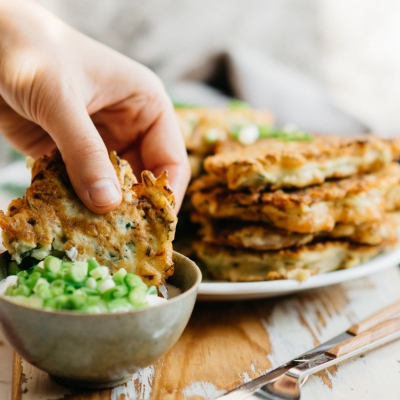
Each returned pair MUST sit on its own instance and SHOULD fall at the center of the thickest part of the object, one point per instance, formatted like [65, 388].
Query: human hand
[61, 88]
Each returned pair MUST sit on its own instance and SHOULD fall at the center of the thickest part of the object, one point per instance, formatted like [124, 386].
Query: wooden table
[229, 343]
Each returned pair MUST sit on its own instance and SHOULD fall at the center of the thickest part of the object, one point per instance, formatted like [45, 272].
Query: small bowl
[95, 351]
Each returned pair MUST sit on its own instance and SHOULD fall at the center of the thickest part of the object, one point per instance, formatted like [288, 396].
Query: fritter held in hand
[51, 219]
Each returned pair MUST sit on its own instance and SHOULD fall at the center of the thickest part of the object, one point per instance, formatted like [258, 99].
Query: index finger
[163, 148]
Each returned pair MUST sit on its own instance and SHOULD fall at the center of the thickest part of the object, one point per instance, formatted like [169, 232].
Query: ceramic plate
[254, 290]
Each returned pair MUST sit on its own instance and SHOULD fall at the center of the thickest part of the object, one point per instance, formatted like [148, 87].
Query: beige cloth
[246, 74]
[337, 58]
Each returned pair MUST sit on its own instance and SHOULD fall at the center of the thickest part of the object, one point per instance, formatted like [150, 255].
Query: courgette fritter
[355, 200]
[275, 164]
[51, 219]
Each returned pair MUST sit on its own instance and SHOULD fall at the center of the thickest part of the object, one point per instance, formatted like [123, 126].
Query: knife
[246, 390]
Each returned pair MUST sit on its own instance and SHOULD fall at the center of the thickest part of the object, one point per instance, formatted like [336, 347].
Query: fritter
[274, 164]
[204, 128]
[354, 200]
[260, 236]
[240, 265]
[51, 219]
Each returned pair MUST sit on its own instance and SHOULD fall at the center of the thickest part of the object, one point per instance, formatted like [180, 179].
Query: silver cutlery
[286, 380]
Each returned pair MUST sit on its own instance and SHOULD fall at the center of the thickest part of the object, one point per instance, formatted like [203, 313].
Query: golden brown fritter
[355, 200]
[260, 236]
[204, 128]
[241, 265]
[278, 164]
[50, 219]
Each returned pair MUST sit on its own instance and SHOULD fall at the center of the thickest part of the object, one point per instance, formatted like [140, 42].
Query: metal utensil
[246, 390]
[287, 387]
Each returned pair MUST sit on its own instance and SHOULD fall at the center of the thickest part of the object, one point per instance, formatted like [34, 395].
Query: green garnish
[178, 104]
[235, 104]
[268, 131]
[292, 135]
[84, 286]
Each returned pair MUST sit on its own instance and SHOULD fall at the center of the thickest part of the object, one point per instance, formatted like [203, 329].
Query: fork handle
[375, 319]
[377, 332]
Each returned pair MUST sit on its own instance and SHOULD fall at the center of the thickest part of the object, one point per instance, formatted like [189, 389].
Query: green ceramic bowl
[100, 350]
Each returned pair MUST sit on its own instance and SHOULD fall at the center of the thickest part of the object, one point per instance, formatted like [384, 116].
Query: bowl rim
[179, 297]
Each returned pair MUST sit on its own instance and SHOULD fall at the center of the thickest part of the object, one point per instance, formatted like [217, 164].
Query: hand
[61, 88]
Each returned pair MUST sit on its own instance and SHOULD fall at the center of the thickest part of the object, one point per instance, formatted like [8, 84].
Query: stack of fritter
[287, 210]
[204, 129]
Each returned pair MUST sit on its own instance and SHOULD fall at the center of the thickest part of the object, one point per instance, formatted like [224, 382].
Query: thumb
[86, 158]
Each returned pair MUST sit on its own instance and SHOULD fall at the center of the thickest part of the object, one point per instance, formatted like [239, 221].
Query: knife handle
[377, 332]
[375, 319]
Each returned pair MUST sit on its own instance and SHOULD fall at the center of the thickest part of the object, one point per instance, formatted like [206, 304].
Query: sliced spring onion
[119, 276]
[84, 286]
[52, 264]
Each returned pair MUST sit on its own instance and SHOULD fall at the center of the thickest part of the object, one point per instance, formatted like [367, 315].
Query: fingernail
[104, 193]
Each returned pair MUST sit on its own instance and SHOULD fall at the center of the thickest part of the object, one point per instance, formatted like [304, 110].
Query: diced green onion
[54, 284]
[235, 104]
[213, 135]
[69, 289]
[105, 285]
[32, 279]
[152, 290]
[21, 291]
[91, 283]
[134, 281]
[51, 276]
[119, 276]
[52, 264]
[78, 299]
[59, 283]
[116, 292]
[248, 134]
[83, 265]
[137, 296]
[57, 287]
[75, 274]
[119, 305]
[92, 264]
[40, 283]
[90, 292]
[99, 273]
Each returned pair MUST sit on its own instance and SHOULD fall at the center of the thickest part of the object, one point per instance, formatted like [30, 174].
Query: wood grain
[17, 378]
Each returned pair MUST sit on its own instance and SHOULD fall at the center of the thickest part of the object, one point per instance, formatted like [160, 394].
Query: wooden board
[228, 343]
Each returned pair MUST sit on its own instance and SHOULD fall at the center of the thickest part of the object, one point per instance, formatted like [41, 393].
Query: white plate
[255, 290]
